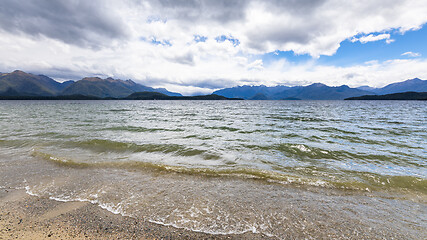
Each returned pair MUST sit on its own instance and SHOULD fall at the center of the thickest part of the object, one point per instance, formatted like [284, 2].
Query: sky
[198, 46]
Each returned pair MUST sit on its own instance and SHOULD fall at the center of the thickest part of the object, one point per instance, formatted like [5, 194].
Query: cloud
[158, 68]
[200, 45]
[314, 27]
[79, 22]
[257, 64]
[186, 58]
[373, 38]
[222, 11]
[411, 54]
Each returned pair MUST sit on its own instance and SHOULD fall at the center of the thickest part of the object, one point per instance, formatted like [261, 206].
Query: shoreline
[23, 216]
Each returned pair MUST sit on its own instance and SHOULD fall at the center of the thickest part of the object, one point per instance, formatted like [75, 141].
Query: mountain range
[412, 85]
[318, 91]
[19, 83]
[161, 96]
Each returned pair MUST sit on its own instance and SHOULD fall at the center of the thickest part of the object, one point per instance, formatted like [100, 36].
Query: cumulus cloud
[372, 38]
[84, 23]
[222, 11]
[411, 54]
[257, 64]
[200, 45]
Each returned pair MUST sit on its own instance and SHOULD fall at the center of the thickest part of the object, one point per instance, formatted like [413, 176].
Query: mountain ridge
[29, 84]
[133, 96]
[410, 85]
[19, 83]
[161, 96]
[319, 91]
[315, 91]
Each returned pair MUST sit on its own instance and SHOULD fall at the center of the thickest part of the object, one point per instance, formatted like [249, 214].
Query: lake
[280, 168]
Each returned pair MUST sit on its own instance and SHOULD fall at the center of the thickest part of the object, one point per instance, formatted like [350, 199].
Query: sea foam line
[119, 210]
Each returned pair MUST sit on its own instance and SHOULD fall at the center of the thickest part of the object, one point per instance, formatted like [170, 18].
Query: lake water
[294, 169]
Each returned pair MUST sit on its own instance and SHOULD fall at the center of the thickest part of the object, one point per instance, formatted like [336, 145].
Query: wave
[304, 152]
[224, 128]
[141, 129]
[335, 130]
[354, 139]
[258, 131]
[120, 110]
[302, 176]
[54, 135]
[17, 143]
[297, 118]
[101, 145]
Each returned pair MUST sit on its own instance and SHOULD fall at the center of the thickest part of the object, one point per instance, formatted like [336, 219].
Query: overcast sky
[196, 46]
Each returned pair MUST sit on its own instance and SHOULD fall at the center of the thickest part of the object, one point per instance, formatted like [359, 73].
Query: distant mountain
[19, 83]
[10, 92]
[319, 91]
[367, 88]
[133, 96]
[316, 91]
[98, 87]
[66, 84]
[161, 96]
[249, 92]
[66, 97]
[412, 85]
[394, 96]
[109, 87]
[259, 96]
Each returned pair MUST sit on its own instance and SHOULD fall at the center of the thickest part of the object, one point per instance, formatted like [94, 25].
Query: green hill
[99, 87]
[394, 96]
[22, 83]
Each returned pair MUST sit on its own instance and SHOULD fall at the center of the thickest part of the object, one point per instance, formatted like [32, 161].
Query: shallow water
[282, 168]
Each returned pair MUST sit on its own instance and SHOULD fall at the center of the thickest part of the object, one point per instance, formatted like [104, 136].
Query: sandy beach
[23, 216]
[27, 217]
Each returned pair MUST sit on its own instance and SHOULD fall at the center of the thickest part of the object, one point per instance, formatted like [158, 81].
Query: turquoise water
[227, 166]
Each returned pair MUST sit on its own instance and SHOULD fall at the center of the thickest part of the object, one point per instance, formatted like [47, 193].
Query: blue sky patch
[155, 41]
[288, 55]
[199, 38]
[152, 19]
[224, 38]
[411, 44]
[351, 53]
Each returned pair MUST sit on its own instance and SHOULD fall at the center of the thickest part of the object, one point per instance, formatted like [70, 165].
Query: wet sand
[23, 216]
[28, 217]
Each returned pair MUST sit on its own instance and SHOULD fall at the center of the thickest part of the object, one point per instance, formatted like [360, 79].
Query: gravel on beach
[28, 217]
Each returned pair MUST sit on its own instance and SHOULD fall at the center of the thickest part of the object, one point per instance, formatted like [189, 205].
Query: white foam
[302, 148]
[252, 229]
[61, 199]
[29, 192]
